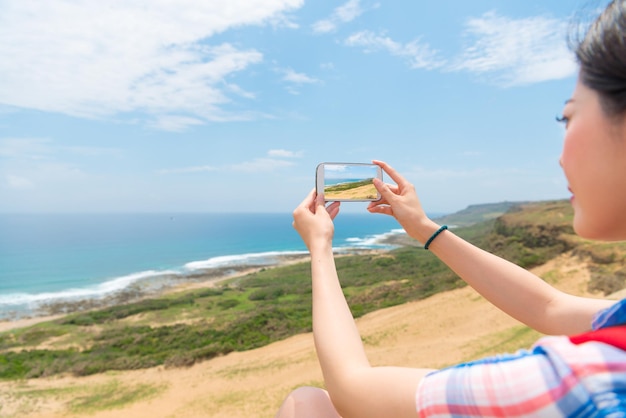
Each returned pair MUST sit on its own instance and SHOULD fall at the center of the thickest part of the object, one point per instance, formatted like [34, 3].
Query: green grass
[112, 395]
[80, 399]
[25, 401]
[123, 311]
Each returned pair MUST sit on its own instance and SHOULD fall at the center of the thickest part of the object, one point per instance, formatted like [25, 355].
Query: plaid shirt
[554, 378]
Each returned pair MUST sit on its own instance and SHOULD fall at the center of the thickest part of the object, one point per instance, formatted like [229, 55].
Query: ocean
[52, 258]
[336, 181]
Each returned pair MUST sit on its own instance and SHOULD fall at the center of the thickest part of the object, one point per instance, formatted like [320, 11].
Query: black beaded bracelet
[433, 236]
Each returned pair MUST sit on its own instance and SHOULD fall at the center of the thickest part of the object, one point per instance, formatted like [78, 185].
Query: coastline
[135, 264]
[136, 292]
[200, 279]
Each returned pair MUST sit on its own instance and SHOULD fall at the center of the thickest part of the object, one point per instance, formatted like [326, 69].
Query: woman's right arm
[516, 291]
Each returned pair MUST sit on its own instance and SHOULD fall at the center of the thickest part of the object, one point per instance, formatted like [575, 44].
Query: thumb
[319, 202]
[384, 190]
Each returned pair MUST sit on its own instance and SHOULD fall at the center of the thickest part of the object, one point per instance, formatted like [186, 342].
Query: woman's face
[594, 163]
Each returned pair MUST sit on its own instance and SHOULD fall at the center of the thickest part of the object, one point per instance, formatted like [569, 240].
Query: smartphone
[347, 182]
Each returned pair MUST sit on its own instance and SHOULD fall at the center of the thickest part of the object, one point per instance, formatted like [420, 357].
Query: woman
[560, 375]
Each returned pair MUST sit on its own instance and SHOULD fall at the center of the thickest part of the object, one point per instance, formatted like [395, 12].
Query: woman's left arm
[356, 388]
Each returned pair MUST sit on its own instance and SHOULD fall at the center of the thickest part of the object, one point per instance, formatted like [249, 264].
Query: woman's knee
[307, 401]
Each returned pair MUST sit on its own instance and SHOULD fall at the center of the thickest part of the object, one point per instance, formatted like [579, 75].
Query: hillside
[474, 214]
[240, 347]
[534, 233]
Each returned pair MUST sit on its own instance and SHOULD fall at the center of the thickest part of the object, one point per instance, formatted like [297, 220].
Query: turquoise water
[335, 181]
[51, 257]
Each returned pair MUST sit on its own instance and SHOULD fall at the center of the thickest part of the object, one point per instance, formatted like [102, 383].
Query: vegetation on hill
[532, 233]
[474, 214]
[272, 304]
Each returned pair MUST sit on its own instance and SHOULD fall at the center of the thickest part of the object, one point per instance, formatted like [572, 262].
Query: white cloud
[298, 78]
[17, 182]
[93, 151]
[324, 26]
[174, 123]
[276, 159]
[262, 165]
[506, 51]
[342, 14]
[282, 20]
[516, 51]
[25, 148]
[419, 54]
[349, 11]
[46, 149]
[96, 59]
[45, 175]
[283, 153]
[195, 169]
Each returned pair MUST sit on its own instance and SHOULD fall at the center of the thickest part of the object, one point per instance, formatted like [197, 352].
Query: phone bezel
[319, 180]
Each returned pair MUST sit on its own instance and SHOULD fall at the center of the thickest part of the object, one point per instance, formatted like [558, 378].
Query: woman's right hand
[401, 202]
[314, 221]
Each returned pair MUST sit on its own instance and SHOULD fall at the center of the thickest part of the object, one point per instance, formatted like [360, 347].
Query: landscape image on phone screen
[350, 182]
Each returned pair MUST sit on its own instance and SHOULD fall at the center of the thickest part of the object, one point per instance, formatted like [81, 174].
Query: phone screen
[347, 182]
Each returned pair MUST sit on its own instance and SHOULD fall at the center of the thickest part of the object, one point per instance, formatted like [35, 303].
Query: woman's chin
[582, 228]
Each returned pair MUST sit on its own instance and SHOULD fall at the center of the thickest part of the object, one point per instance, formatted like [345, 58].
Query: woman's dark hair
[602, 58]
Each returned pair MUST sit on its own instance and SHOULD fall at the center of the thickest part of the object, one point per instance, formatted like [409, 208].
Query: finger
[333, 209]
[380, 206]
[313, 198]
[387, 195]
[304, 206]
[319, 203]
[395, 176]
[380, 187]
[393, 187]
[379, 202]
[333, 205]
[385, 210]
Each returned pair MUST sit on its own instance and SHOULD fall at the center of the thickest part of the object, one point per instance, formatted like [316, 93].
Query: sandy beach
[444, 329]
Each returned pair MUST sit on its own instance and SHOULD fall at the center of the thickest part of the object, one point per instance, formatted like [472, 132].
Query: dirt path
[444, 329]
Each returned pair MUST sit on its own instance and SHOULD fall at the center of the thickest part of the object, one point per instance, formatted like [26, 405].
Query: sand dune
[447, 328]
[367, 192]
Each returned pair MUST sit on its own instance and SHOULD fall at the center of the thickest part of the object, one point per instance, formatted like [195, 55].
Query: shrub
[227, 303]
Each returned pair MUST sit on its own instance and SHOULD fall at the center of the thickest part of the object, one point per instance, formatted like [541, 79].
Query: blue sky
[229, 105]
